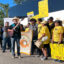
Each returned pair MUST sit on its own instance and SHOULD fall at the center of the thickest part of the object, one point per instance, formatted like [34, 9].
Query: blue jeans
[17, 40]
[6, 40]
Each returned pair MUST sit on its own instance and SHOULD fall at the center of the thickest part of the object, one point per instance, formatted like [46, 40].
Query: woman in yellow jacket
[44, 32]
[57, 36]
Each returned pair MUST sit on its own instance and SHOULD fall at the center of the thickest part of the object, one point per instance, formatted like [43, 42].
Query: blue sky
[10, 2]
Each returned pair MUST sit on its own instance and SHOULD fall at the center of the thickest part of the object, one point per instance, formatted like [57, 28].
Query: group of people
[52, 30]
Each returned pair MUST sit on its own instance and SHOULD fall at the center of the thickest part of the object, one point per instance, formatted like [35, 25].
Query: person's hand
[59, 42]
[13, 29]
[52, 41]
[18, 23]
[39, 39]
[10, 30]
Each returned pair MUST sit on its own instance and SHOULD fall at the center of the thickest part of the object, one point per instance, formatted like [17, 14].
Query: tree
[4, 8]
[3, 12]
[19, 1]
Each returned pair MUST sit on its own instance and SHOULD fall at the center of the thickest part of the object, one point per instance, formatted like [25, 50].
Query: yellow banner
[42, 9]
[57, 51]
[30, 13]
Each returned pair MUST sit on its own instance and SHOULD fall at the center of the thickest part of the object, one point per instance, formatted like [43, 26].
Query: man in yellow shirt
[44, 32]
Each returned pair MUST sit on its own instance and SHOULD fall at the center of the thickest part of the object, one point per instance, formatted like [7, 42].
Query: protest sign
[57, 51]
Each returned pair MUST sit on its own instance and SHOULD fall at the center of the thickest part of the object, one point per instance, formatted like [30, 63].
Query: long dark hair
[23, 29]
[59, 22]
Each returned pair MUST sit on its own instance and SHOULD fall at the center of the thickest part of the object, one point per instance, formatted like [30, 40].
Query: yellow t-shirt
[63, 29]
[27, 29]
[56, 33]
[39, 28]
[45, 31]
[50, 23]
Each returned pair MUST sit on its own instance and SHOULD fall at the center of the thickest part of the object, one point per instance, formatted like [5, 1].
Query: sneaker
[38, 55]
[59, 61]
[44, 58]
[55, 60]
[3, 51]
[19, 57]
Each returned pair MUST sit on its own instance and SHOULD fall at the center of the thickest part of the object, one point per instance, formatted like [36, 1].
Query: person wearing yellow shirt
[39, 24]
[57, 36]
[44, 32]
[39, 28]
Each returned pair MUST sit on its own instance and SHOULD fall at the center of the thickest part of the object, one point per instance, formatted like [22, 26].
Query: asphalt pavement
[6, 58]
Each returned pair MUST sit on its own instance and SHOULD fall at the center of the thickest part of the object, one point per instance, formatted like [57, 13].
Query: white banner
[22, 21]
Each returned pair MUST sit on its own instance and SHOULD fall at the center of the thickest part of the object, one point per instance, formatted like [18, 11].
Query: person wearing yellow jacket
[44, 32]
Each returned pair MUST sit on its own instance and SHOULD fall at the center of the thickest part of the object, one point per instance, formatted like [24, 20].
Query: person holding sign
[57, 36]
[15, 34]
[34, 28]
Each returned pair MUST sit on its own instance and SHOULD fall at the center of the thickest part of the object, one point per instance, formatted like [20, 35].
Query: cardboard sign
[57, 51]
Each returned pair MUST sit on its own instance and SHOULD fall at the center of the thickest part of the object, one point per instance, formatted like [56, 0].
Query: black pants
[1, 42]
[57, 42]
[34, 49]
